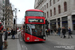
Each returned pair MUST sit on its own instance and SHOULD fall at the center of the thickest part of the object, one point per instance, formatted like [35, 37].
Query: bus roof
[34, 10]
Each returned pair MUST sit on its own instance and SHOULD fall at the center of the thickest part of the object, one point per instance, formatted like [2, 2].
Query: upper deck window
[34, 13]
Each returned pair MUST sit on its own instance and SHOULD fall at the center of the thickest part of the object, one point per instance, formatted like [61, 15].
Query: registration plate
[36, 40]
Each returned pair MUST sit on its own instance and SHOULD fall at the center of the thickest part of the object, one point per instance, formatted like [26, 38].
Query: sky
[22, 5]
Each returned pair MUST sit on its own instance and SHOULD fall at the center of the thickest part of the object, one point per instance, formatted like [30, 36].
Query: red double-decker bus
[34, 26]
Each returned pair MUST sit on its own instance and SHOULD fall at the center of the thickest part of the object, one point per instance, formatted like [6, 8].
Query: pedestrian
[5, 39]
[69, 33]
[1, 42]
[48, 31]
[51, 31]
[59, 29]
[63, 32]
[13, 34]
[56, 32]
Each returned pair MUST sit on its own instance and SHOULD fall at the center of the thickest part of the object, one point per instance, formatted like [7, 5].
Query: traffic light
[14, 21]
[46, 22]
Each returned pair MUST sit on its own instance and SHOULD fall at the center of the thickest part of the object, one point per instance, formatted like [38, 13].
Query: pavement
[13, 44]
[62, 41]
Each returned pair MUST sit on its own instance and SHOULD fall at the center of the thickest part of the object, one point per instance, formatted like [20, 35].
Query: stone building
[8, 15]
[19, 26]
[59, 13]
[1, 9]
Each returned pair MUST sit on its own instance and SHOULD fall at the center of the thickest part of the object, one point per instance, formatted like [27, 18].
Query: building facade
[1, 9]
[19, 26]
[59, 13]
[8, 15]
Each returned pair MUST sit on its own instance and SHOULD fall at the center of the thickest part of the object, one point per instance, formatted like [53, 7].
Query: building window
[47, 14]
[50, 12]
[53, 1]
[8, 19]
[54, 11]
[47, 5]
[8, 23]
[65, 6]
[40, 1]
[50, 2]
[44, 7]
[5, 23]
[59, 9]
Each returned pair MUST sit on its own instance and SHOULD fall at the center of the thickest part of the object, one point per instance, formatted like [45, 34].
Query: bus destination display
[36, 20]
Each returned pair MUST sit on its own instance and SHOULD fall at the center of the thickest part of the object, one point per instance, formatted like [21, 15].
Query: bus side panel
[27, 37]
[22, 34]
[31, 38]
[36, 39]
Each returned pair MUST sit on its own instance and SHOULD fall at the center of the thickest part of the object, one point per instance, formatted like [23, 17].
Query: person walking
[63, 32]
[70, 33]
[13, 34]
[51, 31]
[1, 42]
[59, 29]
[48, 31]
[5, 39]
[56, 32]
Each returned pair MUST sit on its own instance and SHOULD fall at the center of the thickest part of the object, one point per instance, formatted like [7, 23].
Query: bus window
[34, 32]
[27, 29]
[34, 13]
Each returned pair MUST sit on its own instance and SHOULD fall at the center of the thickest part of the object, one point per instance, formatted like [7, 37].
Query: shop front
[73, 24]
[65, 22]
[58, 22]
[73, 21]
[53, 24]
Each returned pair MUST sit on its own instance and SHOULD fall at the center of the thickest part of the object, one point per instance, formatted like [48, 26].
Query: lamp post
[15, 20]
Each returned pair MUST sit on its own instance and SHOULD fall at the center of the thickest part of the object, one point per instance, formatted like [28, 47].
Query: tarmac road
[47, 45]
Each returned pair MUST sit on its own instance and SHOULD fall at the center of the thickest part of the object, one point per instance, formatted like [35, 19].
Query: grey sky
[22, 5]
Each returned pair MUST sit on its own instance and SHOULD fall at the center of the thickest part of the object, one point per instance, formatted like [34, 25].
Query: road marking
[24, 47]
[65, 47]
[21, 40]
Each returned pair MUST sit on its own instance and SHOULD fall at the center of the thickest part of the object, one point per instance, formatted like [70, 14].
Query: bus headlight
[44, 37]
[28, 38]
